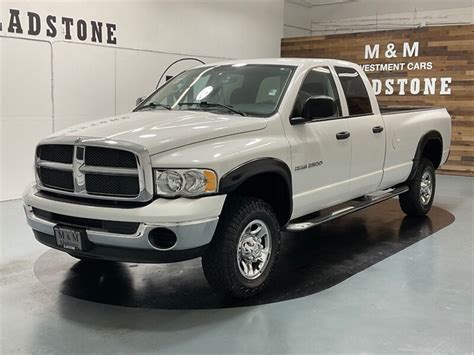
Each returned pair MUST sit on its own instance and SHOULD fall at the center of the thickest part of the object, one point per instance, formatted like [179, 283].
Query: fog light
[162, 238]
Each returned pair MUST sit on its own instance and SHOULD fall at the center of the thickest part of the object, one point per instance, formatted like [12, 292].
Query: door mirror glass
[317, 107]
[317, 97]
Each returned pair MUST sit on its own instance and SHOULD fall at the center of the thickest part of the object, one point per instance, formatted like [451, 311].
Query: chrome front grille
[94, 168]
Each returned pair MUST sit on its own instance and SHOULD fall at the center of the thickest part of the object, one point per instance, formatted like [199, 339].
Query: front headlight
[185, 182]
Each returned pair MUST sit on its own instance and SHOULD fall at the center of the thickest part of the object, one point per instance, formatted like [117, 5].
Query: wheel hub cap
[426, 188]
[254, 249]
[251, 248]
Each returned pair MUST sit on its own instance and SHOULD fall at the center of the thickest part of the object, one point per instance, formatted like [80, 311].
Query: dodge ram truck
[223, 158]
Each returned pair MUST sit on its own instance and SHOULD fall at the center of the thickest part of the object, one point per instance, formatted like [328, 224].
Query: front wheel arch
[268, 179]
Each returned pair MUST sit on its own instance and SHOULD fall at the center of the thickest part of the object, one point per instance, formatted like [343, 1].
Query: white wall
[345, 16]
[49, 84]
[297, 20]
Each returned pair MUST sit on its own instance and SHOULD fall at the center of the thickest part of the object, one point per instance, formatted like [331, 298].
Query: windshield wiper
[205, 104]
[153, 104]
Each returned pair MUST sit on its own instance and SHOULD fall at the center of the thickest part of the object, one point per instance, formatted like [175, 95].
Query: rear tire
[242, 255]
[419, 199]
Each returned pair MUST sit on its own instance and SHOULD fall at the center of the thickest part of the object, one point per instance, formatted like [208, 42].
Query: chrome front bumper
[189, 235]
[191, 232]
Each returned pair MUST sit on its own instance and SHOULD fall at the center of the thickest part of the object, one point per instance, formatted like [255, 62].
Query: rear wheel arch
[268, 179]
[430, 146]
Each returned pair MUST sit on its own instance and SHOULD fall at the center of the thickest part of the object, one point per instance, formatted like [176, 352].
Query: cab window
[318, 82]
[358, 101]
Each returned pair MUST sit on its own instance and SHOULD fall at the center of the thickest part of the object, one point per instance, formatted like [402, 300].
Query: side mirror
[316, 107]
[139, 100]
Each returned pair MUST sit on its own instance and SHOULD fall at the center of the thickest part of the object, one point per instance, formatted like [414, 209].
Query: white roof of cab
[300, 62]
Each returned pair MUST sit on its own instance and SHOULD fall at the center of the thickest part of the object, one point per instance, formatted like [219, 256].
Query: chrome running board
[302, 224]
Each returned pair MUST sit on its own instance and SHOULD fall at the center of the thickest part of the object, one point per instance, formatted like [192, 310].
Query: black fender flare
[237, 176]
[431, 135]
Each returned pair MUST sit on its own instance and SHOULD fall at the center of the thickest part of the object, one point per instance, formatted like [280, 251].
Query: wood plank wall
[450, 49]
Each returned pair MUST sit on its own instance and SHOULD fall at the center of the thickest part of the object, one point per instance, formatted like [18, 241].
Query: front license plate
[70, 238]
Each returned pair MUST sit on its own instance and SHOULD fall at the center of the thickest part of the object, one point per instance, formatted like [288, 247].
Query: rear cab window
[357, 97]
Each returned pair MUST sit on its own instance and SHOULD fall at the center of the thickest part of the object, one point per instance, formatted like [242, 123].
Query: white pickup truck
[223, 158]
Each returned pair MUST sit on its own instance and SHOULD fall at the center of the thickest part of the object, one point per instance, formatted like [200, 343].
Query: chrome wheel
[254, 249]
[426, 187]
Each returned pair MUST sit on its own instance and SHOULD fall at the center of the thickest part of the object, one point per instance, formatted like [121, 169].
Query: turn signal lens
[211, 181]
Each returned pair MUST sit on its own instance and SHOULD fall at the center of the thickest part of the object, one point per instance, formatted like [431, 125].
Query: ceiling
[314, 3]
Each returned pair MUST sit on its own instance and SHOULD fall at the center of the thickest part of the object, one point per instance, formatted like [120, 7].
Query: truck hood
[160, 130]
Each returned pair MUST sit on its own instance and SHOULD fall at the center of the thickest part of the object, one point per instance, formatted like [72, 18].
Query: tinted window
[318, 82]
[354, 88]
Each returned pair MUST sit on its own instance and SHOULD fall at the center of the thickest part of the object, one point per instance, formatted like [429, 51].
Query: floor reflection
[310, 262]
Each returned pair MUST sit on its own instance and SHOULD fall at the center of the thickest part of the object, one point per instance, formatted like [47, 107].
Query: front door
[321, 152]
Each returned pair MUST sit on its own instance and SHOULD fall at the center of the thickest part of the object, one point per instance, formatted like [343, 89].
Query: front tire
[242, 255]
[419, 199]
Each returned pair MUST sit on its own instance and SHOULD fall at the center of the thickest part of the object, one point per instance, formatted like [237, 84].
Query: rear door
[367, 133]
[321, 157]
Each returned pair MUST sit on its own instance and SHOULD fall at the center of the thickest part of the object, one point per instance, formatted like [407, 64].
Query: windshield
[252, 89]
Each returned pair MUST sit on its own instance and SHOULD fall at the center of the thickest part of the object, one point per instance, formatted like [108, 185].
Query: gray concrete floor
[418, 300]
